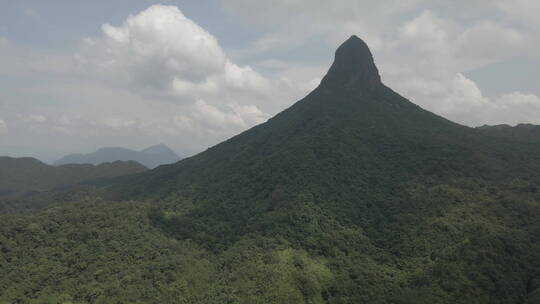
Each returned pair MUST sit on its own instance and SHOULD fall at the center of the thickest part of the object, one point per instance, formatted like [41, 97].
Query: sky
[79, 75]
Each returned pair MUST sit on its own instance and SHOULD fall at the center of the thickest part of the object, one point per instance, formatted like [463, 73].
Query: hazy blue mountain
[150, 157]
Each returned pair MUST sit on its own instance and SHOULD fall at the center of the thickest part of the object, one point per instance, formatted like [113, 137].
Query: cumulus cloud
[3, 127]
[118, 123]
[219, 120]
[523, 11]
[294, 22]
[457, 98]
[433, 44]
[461, 100]
[156, 77]
[154, 47]
[35, 118]
[438, 51]
[515, 108]
[162, 52]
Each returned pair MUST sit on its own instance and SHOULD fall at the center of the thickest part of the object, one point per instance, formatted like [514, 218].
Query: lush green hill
[150, 157]
[521, 132]
[352, 195]
[20, 176]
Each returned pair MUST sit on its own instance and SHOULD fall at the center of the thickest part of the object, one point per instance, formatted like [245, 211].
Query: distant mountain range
[20, 176]
[150, 157]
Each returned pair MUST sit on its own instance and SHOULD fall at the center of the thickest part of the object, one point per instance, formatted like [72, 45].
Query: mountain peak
[150, 157]
[353, 65]
[160, 148]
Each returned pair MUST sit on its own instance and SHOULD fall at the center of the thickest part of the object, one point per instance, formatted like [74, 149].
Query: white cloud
[489, 41]
[250, 114]
[438, 51]
[157, 77]
[523, 11]
[516, 108]
[457, 98]
[212, 116]
[519, 99]
[160, 52]
[3, 127]
[428, 33]
[118, 123]
[160, 39]
[462, 101]
[294, 22]
[204, 116]
[431, 44]
[35, 118]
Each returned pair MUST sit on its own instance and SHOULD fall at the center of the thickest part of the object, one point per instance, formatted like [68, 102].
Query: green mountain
[150, 157]
[352, 195]
[20, 176]
[522, 132]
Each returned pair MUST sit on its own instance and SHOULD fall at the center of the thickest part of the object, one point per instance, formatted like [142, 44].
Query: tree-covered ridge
[352, 195]
[26, 175]
[522, 132]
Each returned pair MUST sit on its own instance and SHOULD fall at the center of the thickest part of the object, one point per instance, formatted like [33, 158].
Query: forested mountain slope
[352, 195]
[521, 132]
[19, 176]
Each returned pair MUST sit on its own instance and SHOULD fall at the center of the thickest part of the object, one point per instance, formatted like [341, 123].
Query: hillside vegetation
[24, 176]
